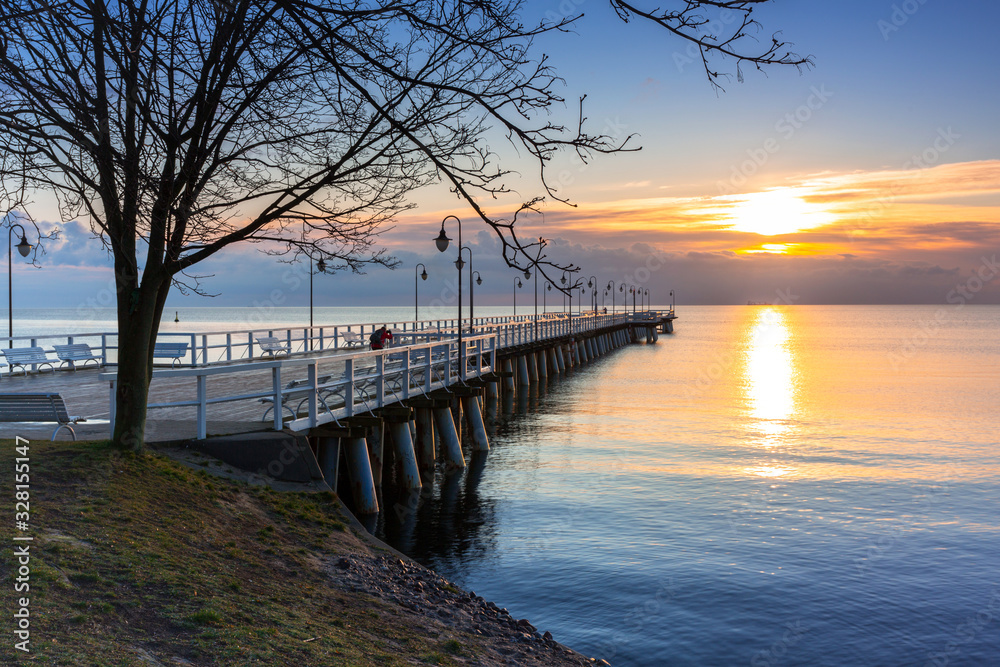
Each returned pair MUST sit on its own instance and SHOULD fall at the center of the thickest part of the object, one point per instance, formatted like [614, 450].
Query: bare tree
[180, 127]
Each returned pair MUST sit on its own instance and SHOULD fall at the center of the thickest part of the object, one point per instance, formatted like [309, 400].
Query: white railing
[334, 387]
[224, 347]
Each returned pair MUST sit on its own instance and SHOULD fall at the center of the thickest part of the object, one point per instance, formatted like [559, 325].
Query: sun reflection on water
[769, 385]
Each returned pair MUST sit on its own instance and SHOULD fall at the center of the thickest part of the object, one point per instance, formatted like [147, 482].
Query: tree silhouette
[180, 127]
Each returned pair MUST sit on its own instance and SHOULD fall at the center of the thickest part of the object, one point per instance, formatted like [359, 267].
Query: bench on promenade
[26, 356]
[76, 352]
[37, 408]
[273, 346]
[352, 339]
[173, 351]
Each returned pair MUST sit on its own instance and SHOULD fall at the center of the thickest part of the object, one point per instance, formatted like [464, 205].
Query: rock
[547, 636]
[344, 563]
[526, 624]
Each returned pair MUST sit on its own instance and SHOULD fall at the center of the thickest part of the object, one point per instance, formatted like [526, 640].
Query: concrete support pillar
[532, 368]
[550, 354]
[359, 469]
[542, 363]
[560, 359]
[376, 451]
[456, 416]
[409, 473]
[328, 455]
[522, 371]
[474, 419]
[451, 446]
[508, 368]
[424, 445]
[581, 345]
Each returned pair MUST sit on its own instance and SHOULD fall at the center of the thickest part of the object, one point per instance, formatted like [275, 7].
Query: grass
[139, 555]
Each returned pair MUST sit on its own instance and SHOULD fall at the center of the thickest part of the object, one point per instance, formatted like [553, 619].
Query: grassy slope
[139, 553]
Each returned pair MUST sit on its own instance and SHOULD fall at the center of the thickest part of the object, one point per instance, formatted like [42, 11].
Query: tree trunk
[138, 325]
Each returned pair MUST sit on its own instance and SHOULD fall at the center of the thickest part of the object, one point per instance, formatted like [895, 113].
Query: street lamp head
[621, 288]
[459, 263]
[563, 280]
[590, 283]
[321, 265]
[442, 239]
[479, 279]
[527, 274]
[519, 284]
[548, 286]
[423, 274]
[23, 247]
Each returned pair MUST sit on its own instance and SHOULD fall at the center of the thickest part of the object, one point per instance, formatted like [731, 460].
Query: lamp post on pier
[517, 283]
[671, 301]
[548, 288]
[611, 288]
[645, 293]
[472, 293]
[321, 265]
[477, 281]
[441, 242]
[23, 248]
[592, 284]
[416, 302]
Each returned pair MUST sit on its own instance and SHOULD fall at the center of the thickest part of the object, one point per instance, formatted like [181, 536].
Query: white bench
[352, 339]
[172, 351]
[74, 352]
[272, 345]
[37, 408]
[26, 356]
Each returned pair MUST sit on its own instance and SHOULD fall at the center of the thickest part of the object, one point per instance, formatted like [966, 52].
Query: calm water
[768, 486]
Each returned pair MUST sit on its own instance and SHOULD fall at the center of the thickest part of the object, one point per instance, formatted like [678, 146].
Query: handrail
[367, 386]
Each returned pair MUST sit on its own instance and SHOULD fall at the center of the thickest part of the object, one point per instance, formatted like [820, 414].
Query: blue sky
[892, 80]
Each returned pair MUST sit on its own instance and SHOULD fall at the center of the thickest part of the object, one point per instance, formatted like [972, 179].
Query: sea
[768, 485]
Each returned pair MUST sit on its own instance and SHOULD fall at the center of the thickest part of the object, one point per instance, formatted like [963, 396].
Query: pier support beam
[424, 445]
[508, 369]
[474, 419]
[550, 354]
[451, 447]
[532, 368]
[376, 451]
[541, 362]
[581, 346]
[409, 474]
[359, 469]
[522, 371]
[328, 456]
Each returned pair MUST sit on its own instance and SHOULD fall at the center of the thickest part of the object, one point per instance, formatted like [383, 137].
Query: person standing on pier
[380, 338]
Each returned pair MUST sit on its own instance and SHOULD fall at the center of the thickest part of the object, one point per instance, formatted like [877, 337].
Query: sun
[778, 211]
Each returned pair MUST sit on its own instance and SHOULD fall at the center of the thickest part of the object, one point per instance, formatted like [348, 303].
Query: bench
[37, 408]
[272, 345]
[352, 339]
[172, 351]
[74, 352]
[26, 356]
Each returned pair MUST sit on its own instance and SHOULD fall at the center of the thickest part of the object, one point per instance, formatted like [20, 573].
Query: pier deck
[87, 391]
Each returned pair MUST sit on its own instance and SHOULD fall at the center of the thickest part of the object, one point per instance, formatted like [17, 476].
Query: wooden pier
[410, 401]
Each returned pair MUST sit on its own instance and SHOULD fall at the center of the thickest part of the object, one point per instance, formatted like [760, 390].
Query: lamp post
[611, 288]
[416, 306]
[321, 265]
[517, 283]
[548, 288]
[645, 293]
[442, 241]
[632, 290]
[671, 301]
[570, 295]
[23, 248]
[592, 284]
[472, 312]
[472, 284]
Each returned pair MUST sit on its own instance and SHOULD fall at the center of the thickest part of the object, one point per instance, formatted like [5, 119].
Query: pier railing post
[313, 393]
[202, 408]
[276, 397]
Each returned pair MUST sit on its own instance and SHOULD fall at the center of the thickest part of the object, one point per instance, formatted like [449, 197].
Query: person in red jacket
[380, 338]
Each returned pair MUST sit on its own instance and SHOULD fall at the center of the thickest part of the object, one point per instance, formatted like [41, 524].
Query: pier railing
[319, 390]
[224, 347]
